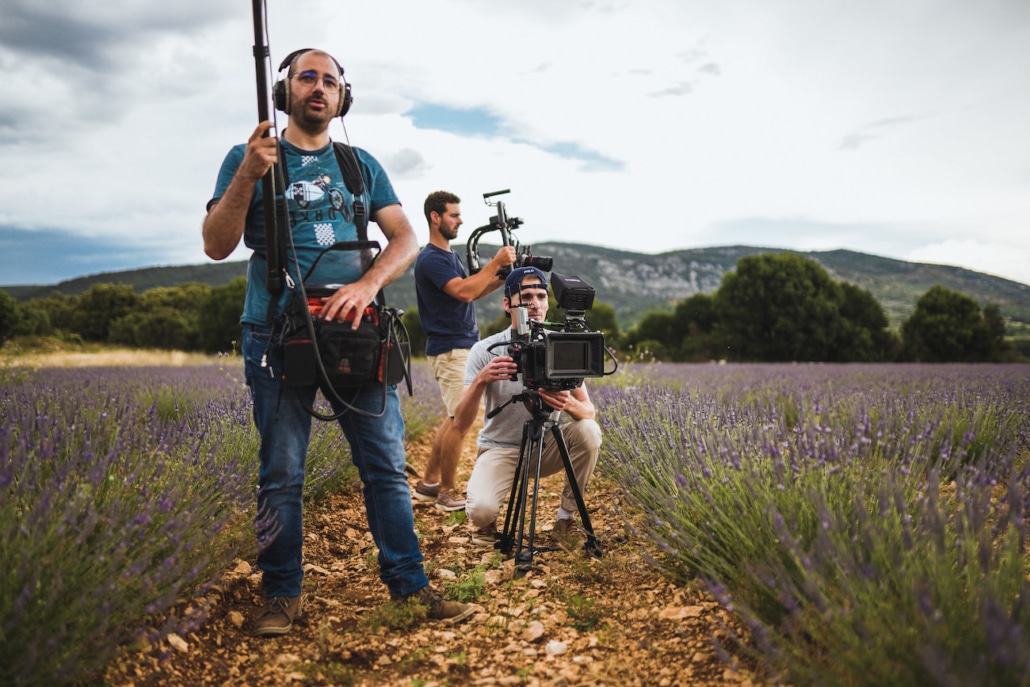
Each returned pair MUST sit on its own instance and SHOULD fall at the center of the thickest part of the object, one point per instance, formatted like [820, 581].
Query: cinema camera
[548, 360]
[559, 359]
[505, 225]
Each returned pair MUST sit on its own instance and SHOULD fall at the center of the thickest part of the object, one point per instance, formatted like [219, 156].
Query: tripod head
[530, 397]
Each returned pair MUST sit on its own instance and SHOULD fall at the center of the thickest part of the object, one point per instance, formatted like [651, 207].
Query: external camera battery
[299, 367]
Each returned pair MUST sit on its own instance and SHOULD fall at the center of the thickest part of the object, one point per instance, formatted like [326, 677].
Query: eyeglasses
[308, 79]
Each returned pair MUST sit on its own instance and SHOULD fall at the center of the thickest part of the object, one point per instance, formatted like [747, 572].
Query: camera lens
[539, 262]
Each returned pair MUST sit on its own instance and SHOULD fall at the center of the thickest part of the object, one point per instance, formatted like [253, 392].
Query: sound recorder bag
[338, 358]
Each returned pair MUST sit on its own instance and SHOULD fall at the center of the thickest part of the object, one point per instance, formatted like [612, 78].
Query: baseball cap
[514, 280]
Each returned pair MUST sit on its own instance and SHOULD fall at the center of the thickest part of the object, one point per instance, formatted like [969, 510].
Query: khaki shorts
[449, 371]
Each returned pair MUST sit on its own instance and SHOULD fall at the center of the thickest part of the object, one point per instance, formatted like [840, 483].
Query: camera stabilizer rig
[504, 224]
[553, 361]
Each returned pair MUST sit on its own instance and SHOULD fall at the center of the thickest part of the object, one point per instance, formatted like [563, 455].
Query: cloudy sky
[891, 127]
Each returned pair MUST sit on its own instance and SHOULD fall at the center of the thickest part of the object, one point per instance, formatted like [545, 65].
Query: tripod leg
[524, 558]
[517, 498]
[592, 545]
[514, 537]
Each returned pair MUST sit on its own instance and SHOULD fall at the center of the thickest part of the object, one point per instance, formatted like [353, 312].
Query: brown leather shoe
[278, 616]
[439, 608]
[567, 532]
[444, 501]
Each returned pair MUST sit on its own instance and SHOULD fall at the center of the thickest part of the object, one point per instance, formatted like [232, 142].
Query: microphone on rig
[521, 321]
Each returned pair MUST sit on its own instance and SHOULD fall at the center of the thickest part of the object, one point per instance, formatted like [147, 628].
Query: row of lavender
[869, 523]
[122, 492]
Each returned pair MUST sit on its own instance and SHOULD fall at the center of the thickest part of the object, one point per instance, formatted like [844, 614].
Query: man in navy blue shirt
[445, 294]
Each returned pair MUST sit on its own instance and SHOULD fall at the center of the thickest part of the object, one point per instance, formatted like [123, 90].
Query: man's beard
[314, 121]
[449, 234]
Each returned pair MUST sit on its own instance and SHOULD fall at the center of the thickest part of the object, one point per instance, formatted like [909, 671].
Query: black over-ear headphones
[281, 92]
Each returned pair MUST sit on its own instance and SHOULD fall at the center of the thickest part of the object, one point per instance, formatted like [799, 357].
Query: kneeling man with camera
[494, 375]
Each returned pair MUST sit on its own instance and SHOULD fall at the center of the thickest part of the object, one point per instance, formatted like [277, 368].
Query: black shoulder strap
[347, 159]
[355, 181]
[352, 177]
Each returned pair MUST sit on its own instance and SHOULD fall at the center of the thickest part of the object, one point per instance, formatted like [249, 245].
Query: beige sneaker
[486, 536]
[278, 616]
[439, 608]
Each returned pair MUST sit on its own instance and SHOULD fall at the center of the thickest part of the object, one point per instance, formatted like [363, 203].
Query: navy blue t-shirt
[448, 322]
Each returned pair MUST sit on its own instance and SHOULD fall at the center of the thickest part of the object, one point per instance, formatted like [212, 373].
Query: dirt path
[573, 620]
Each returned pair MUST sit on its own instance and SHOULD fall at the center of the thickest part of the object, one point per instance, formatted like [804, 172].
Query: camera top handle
[499, 223]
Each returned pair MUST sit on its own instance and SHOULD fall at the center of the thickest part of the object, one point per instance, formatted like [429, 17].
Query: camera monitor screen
[575, 354]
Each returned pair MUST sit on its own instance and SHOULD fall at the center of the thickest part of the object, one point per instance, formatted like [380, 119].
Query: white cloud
[895, 128]
[992, 258]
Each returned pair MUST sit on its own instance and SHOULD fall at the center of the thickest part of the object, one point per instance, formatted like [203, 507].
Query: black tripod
[514, 536]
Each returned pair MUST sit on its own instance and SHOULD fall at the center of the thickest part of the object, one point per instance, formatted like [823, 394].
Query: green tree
[31, 322]
[161, 327]
[684, 335]
[58, 313]
[101, 305]
[864, 336]
[780, 307]
[654, 336]
[218, 317]
[948, 326]
[10, 315]
[647, 350]
[697, 321]
[183, 297]
[185, 300]
[998, 348]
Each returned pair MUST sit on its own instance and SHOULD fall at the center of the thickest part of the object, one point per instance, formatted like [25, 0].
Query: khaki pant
[449, 371]
[490, 484]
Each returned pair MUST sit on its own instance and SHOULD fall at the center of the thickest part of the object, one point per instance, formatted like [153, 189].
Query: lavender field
[122, 491]
[868, 522]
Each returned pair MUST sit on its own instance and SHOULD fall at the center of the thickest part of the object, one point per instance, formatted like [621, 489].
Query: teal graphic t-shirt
[321, 214]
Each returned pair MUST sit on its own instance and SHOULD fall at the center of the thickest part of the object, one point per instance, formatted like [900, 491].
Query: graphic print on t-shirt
[324, 234]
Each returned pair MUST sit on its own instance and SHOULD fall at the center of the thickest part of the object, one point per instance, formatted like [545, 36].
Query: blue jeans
[377, 450]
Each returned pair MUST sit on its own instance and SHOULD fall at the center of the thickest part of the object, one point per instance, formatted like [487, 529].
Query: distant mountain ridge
[635, 283]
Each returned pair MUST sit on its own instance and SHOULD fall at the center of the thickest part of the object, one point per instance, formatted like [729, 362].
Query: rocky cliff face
[661, 277]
